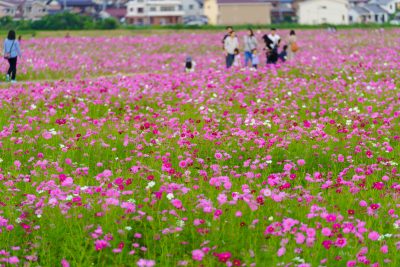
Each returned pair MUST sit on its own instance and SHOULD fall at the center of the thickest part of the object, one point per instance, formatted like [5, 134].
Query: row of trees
[61, 21]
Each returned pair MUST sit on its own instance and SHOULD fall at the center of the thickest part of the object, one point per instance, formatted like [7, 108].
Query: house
[358, 14]
[33, 9]
[53, 7]
[23, 9]
[154, 12]
[7, 9]
[358, 2]
[237, 12]
[370, 13]
[88, 7]
[193, 8]
[114, 12]
[282, 11]
[211, 11]
[391, 6]
[313, 12]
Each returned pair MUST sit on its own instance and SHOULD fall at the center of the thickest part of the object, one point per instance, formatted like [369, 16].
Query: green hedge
[60, 21]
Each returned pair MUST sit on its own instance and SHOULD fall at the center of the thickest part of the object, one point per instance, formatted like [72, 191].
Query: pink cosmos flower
[341, 242]
[197, 255]
[13, 260]
[145, 263]
[64, 263]
[373, 236]
[326, 231]
[101, 244]
[301, 162]
[182, 164]
[176, 203]
[281, 251]
[218, 155]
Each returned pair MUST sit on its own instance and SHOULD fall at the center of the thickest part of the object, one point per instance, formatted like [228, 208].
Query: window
[167, 8]
[351, 18]
[140, 10]
[323, 7]
[153, 8]
[376, 18]
[191, 7]
[131, 9]
[343, 18]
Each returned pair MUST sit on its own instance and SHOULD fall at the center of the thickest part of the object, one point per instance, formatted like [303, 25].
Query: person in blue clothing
[11, 52]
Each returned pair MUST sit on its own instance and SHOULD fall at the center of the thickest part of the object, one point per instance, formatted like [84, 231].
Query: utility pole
[104, 5]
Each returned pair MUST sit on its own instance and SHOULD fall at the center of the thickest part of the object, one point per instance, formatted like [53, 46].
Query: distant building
[390, 6]
[88, 7]
[211, 11]
[23, 9]
[193, 8]
[370, 13]
[154, 12]
[314, 12]
[114, 12]
[237, 12]
[53, 7]
[33, 9]
[7, 9]
[282, 11]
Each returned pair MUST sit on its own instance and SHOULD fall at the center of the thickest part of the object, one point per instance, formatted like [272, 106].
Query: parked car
[395, 22]
[196, 23]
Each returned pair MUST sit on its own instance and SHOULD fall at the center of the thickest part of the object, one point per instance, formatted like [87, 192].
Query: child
[189, 65]
[254, 58]
[283, 54]
[236, 62]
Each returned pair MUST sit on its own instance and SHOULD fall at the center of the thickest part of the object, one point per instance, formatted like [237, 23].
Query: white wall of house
[7, 9]
[148, 8]
[192, 8]
[313, 12]
[355, 17]
[34, 10]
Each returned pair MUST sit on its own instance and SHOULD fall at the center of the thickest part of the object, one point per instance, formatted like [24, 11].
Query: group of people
[271, 46]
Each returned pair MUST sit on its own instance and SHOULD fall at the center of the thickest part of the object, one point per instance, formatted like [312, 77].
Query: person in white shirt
[275, 39]
[231, 43]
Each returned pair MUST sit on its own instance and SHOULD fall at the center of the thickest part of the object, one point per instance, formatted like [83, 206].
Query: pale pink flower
[197, 255]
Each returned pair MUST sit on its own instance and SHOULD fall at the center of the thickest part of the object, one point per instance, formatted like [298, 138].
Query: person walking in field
[250, 43]
[292, 46]
[230, 45]
[11, 52]
[229, 30]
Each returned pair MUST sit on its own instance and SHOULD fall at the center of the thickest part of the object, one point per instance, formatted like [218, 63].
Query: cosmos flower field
[111, 155]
